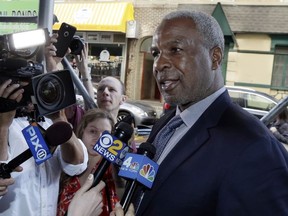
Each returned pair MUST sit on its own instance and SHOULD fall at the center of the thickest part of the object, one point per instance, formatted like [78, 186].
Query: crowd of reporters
[220, 160]
[70, 158]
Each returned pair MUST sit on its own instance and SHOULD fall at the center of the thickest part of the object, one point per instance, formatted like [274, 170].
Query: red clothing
[74, 114]
[71, 185]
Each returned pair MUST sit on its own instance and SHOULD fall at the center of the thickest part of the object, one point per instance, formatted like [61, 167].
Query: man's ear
[123, 99]
[216, 57]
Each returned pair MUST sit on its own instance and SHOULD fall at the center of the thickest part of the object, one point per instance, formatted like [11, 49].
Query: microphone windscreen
[58, 133]
[124, 131]
[148, 149]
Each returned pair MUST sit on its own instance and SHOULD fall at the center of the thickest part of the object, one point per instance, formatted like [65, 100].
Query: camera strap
[7, 105]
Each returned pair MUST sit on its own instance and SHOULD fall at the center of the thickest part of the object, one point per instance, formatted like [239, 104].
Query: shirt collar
[193, 113]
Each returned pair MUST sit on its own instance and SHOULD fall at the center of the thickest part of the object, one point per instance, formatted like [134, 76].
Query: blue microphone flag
[140, 168]
[36, 143]
[111, 148]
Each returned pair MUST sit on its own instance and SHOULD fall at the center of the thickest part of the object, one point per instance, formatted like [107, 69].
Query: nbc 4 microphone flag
[140, 168]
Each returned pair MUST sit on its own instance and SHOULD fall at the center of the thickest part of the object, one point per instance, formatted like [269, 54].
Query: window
[279, 79]
[238, 98]
[259, 102]
[252, 100]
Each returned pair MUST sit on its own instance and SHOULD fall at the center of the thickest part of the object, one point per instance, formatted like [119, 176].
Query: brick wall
[148, 18]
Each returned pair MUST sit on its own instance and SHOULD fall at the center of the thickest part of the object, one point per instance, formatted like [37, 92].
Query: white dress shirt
[36, 188]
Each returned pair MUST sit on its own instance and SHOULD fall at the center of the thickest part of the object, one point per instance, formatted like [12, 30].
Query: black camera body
[53, 91]
[20, 71]
[66, 38]
[76, 45]
[48, 92]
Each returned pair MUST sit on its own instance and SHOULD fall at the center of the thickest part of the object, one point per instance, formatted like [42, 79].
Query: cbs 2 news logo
[111, 148]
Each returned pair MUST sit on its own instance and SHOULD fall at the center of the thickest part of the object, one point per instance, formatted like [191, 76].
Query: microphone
[58, 133]
[112, 148]
[141, 169]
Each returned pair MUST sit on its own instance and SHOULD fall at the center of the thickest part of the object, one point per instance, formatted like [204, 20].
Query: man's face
[182, 65]
[109, 94]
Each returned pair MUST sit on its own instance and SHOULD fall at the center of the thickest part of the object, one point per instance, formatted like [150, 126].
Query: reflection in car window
[259, 102]
[237, 98]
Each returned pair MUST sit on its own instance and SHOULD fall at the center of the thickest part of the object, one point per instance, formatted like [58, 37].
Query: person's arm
[6, 117]
[87, 202]
[50, 55]
[84, 70]
[72, 151]
[278, 135]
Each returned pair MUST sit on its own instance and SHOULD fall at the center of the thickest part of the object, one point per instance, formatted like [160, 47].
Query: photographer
[84, 70]
[36, 186]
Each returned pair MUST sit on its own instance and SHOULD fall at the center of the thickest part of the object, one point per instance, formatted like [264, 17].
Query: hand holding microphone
[58, 133]
[140, 170]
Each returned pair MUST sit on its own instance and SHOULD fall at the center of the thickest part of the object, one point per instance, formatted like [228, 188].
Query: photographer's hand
[7, 91]
[82, 62]
[6, 88]
[52, 61]
[58, 116]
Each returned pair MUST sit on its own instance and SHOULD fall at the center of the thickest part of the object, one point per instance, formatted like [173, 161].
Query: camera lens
[50, 92]
[76, 45]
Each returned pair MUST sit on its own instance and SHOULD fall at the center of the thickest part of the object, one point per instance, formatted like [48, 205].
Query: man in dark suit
[221, 160]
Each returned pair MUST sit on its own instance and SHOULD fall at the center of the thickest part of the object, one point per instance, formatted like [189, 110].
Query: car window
[237, 97]
[258, 102]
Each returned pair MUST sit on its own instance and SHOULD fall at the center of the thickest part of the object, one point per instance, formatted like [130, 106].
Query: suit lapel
[196, 136]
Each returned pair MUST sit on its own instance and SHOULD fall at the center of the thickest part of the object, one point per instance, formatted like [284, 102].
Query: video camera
[49, 92]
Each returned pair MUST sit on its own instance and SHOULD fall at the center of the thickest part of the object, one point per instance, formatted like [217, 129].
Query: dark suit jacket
[227, 164]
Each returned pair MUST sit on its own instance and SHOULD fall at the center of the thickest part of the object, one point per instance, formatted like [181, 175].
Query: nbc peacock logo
[148, 172]
[134, 166]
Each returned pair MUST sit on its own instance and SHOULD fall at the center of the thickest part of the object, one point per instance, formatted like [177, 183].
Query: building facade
[256, 51]
[256, 57]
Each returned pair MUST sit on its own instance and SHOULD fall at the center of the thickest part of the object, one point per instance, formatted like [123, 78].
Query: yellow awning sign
[110, 16]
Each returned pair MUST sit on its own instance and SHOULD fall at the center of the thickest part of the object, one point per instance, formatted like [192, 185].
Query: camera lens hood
[50, 91]
[76, 45]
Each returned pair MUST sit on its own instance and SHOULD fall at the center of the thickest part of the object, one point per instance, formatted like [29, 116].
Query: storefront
[104, 27]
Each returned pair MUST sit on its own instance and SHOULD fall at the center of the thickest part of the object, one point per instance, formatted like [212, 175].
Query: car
[143, 114]
[255, 102]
